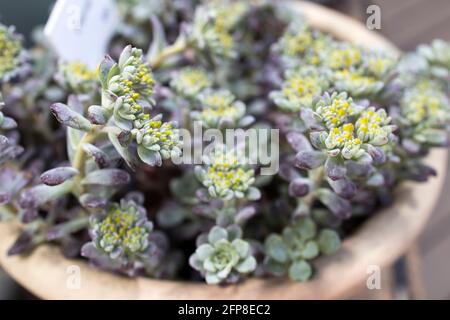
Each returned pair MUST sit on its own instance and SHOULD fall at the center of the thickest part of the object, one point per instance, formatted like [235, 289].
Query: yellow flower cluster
[10, 50]
[78, 77]
[337, 112]
[425, 103]
[343, 58]
[219, 107]
[373, 125]
[355, 78]
[344, 135]
[119, 229]
[298, 43]
[190, 81]
[344, 139]
[80, 70]
[299, 87]
[160, 132]
[226, 173]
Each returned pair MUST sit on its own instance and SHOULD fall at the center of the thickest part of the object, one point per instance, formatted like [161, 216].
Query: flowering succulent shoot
[11, 53]
[105, 178]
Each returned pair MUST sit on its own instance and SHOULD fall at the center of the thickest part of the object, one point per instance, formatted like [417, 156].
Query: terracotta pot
[379, 241]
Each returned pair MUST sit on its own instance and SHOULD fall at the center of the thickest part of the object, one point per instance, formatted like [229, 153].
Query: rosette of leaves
[212, 28]
[12, 56]
[123, 240]
[357, 83]
[296, 40]
[127, 88]
[380, 65]
[299, 88]
[437, 56]
[290, 252]
[227, 175]
[76, 77]
[220, 109]
[300, 45]
[345, 131]
[222, 256]
[425, 110]
[189, 81]
[360, 73]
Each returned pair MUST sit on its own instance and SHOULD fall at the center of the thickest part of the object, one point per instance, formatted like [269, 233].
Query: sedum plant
[92, 160]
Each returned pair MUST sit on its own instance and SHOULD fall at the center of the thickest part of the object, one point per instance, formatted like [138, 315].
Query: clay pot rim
[379, 241]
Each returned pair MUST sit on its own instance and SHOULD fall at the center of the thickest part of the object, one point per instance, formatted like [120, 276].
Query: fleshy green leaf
[216, 234]
[329, 241]
[276, 248]
[300, 271]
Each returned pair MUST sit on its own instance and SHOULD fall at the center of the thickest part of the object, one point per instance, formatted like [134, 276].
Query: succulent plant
[290, 251]
[353, 124]
[219, 109]
[190, 82]
[123, 239]
[224, 257]
[157, 141]
[213, 25]
[226, 175]
[77, 77]
[12, 55]
[300, 88]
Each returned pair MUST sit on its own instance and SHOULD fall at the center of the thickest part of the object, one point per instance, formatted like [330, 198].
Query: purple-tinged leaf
[245, 214]
[316, 140]
[335, 168]
[298, 141]
[97, 115]
[411, 146]
[343, 187]
[377, 154]
[91, 201]
[104, 70]
[59, 175]
[69, 117]
[340, 207]
[299, 187]
[40, 194]
[309, 159]
[288, 172]
[361, 168]
[99, 156]
[107, 177]
[23, 243]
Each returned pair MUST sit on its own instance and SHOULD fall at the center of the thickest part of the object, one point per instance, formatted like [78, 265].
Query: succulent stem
[176, 48]
[305, 203]
[79, 158]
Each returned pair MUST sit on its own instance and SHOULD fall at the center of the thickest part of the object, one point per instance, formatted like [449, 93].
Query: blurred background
[423, 272]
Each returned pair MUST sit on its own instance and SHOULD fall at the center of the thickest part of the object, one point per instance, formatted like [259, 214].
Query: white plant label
[80, 30]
